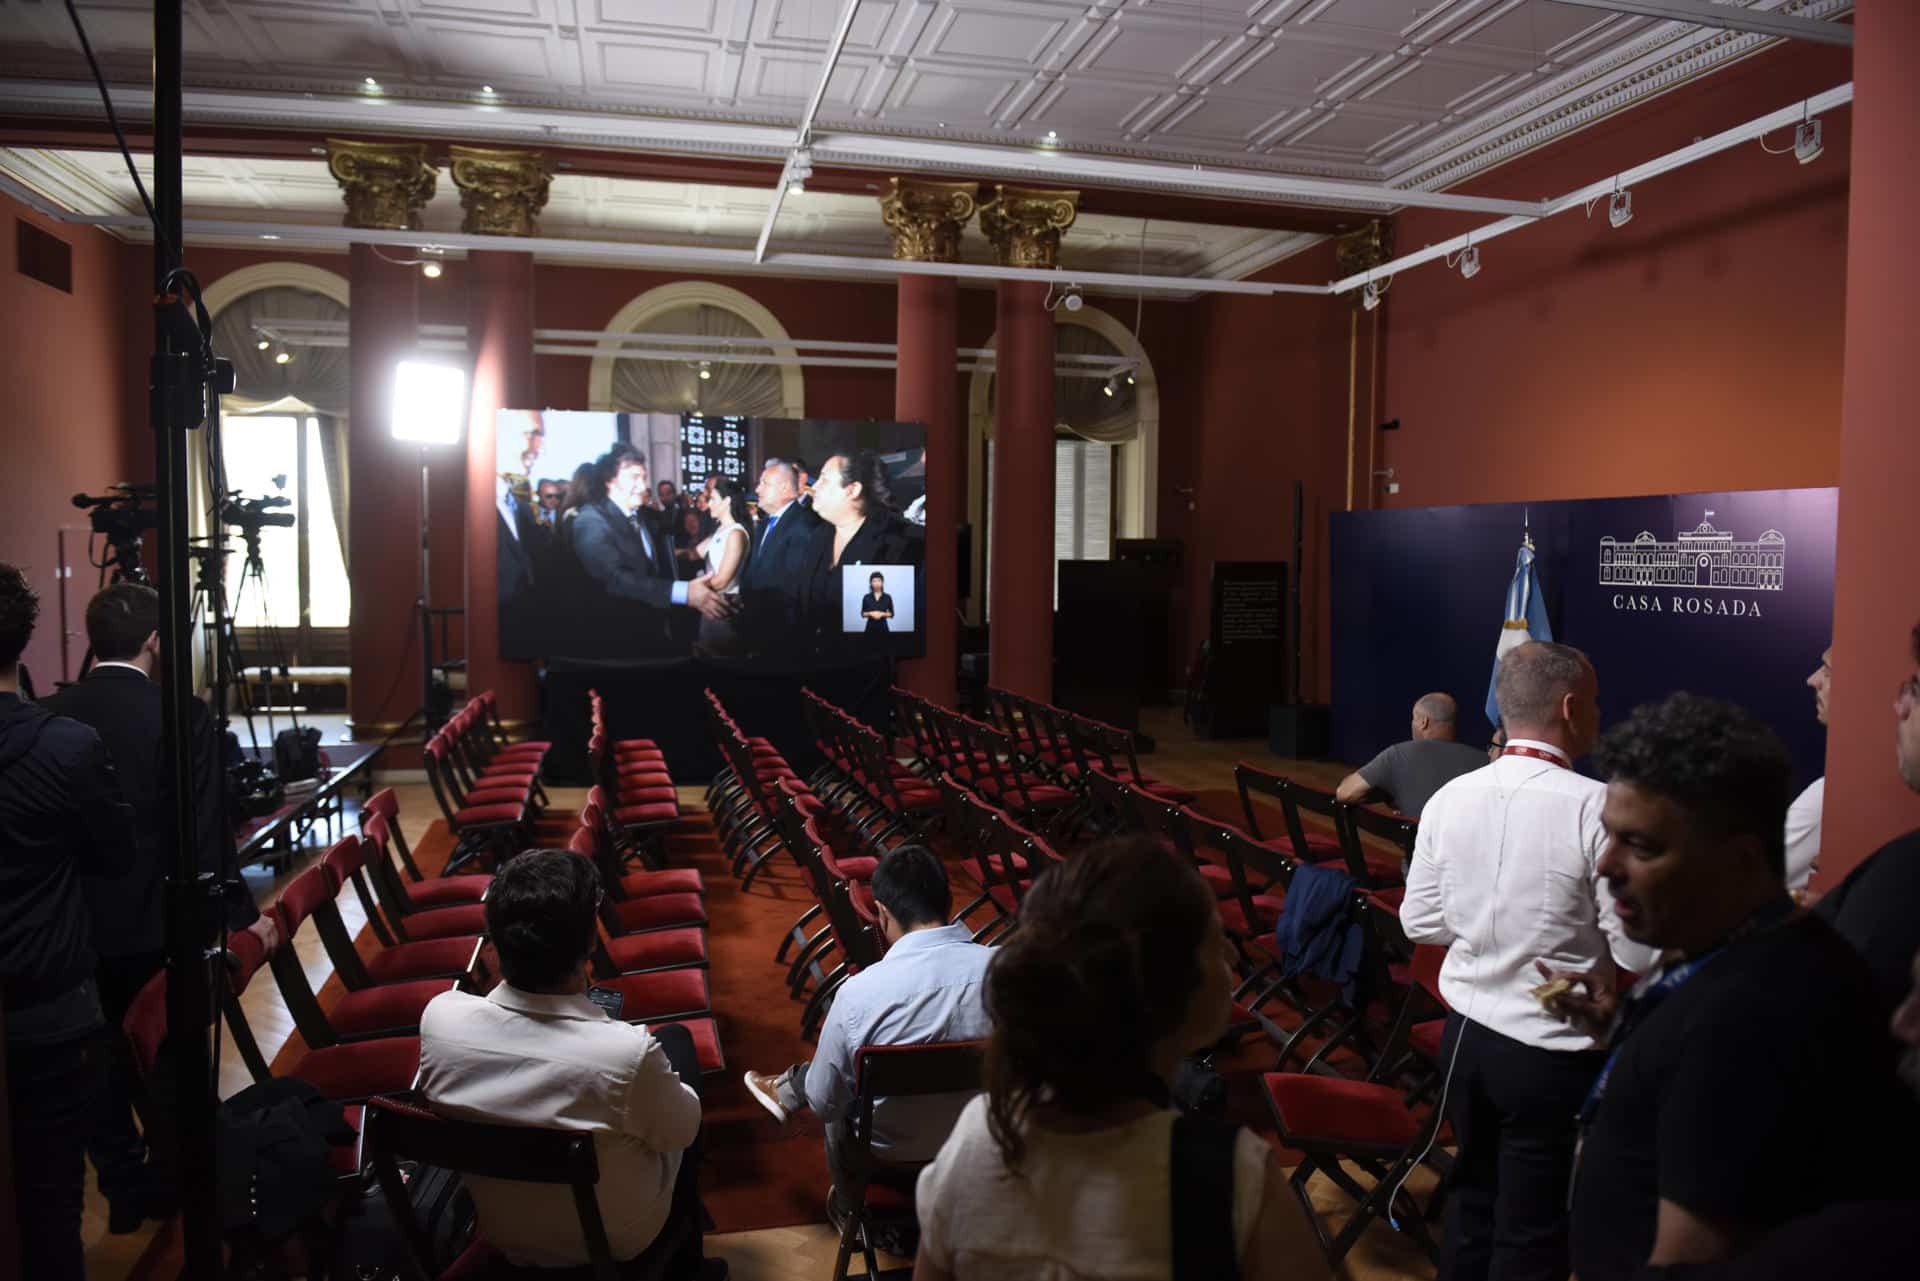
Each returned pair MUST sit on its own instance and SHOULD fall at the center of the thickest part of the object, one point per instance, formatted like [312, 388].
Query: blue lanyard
[1643, 1002]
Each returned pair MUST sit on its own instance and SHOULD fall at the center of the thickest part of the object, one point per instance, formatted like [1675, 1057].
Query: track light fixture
[283, 358]
[1129, 375]
[262, 345]
[1620, 209]
[1369, 296]
[430, 269]
[798, 171]
[1106, 388]
[1470, 262]
[1806, 141]
[706, 370]
[1069, 298]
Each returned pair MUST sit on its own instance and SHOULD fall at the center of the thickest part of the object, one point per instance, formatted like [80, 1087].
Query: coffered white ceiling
[297, 193]
[1413, 93]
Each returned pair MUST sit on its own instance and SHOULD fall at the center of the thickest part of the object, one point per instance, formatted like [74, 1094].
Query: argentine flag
[1525, 619]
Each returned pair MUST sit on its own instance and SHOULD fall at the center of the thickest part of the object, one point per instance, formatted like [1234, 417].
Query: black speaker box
[1299, 731]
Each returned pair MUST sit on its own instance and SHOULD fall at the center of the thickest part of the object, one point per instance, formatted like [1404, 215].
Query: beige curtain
[314, 381]
[333, 460]
[675, 386]
[1080, 405]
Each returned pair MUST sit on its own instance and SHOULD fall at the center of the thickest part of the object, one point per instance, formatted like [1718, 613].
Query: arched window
[284, 433]
[699, 317]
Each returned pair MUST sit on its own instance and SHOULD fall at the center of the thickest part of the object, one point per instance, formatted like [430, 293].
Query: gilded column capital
[385, 184]
[1364, 248]
[1024, 224]
[925, 218]
[502, 192]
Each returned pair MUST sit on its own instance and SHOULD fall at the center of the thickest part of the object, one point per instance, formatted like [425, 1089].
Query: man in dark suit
[629, 556]
[120, 701]
[516, 533]
[777, 568]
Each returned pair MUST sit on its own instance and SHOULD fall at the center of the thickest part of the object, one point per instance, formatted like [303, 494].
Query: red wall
[1699, 347]
[1876, 588]
[73, 368]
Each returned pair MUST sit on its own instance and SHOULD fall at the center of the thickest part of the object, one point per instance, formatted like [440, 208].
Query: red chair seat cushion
[506, 773]
[522, 751]
[671, 880]
[528, 745]
[659, 911]
[394, 1008]
[1425, 1037]
[445, 922]
[649, 796]
[658, 950]
[1328, 1112]
[425, 959]
[489, 795]
[1218, 879]
[490, 813]
[660, 994]
[635, 745]
[706, 1042]
[856, 868]
[447, 891]
[651, 812]
[361, 1070]
[1265, 906]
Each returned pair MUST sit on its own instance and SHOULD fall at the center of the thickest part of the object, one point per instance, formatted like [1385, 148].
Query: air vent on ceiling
[43, 256]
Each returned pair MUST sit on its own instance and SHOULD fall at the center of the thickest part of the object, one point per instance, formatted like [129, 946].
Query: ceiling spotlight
[1072, 300]
[431, 270]
[1129, 375]
[706, 370]
[1107, 387]
[1369, 295]
[1620, 209]
[1469, 262]
[282, 357]
[1052, 136]
[1806, 141]
[487, 89]
[371, 83]
[268, 236]
[262, 345]
[799, 169]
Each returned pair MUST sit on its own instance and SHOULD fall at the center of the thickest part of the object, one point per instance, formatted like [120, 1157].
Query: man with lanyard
[1504, 874]
[1749, 1078]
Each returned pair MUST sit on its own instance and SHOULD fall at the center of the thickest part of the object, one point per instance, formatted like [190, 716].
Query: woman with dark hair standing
[724, 559]
[877, 608]
[860, 527]
[1118, 972]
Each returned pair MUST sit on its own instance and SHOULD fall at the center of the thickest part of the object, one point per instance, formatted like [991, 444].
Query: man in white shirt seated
[1504, 874]
[538, 1052]
[1803, 816]
[926, 989]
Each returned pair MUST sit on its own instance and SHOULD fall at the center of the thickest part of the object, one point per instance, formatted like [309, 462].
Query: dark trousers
[118, 1151]
[53, 1092]
[1512, 1107]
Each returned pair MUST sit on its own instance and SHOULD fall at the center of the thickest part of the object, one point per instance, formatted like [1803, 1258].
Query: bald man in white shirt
[1503, 875]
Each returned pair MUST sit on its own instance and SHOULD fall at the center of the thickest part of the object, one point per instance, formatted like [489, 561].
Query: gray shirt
[926, 989]
[1411, 772]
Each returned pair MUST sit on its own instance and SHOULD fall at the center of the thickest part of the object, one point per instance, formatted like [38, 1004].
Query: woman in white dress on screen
[724, 558]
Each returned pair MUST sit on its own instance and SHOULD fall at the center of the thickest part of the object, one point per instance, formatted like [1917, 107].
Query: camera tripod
[229, 665]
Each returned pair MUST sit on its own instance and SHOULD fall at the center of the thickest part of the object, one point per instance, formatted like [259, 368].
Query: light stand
[429, 405]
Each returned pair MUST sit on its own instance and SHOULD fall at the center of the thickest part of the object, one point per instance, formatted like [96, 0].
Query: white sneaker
[766, 1091]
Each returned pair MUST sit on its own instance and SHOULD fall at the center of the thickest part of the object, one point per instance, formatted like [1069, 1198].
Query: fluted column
[925, 220]
[1024, 225]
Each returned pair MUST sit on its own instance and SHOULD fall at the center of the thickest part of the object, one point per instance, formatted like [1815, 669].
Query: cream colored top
[1084, 1206]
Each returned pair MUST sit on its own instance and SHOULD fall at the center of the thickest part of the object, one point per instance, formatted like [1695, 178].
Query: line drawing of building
[1699, 557]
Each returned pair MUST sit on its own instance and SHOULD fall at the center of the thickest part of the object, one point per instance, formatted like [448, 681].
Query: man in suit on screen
[776, 569]
[621, 549]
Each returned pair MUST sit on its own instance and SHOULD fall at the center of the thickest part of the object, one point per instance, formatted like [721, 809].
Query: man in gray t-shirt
[1407, 775]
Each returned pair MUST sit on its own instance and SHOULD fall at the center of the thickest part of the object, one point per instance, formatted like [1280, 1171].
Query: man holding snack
[1504, 874]
[1749, 1077]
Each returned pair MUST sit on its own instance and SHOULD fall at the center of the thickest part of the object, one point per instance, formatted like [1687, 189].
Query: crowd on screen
[644, 569]
[1663, 1059]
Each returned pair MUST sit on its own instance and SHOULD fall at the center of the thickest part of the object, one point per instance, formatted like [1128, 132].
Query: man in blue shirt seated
[926, 989]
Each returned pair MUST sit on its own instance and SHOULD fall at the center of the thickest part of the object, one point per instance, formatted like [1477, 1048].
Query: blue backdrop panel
[1731, 596]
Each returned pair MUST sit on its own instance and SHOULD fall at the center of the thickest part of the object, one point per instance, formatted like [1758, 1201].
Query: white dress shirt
[927, 988]
[1504, 874]
[1803, 834]
[558, 1062]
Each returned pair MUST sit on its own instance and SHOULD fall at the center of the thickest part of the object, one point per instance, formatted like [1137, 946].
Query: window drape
[675, 386]
[1080, 405]
[314, 381]
[333, 460]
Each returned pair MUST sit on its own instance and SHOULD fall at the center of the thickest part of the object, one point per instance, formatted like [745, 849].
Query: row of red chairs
[487, 787]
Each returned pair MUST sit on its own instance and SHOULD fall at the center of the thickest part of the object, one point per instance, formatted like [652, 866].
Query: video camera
[118, 514]
[251, 515]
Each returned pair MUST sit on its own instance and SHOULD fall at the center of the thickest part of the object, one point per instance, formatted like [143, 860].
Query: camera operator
[120, 700]
[62, 818]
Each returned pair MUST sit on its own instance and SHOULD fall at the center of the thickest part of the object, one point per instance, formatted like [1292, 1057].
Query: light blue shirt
[927, 988]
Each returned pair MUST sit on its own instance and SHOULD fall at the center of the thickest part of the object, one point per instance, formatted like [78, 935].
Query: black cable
[113, 118]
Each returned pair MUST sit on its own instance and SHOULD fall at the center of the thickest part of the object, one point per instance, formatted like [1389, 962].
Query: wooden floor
[774, 1254]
